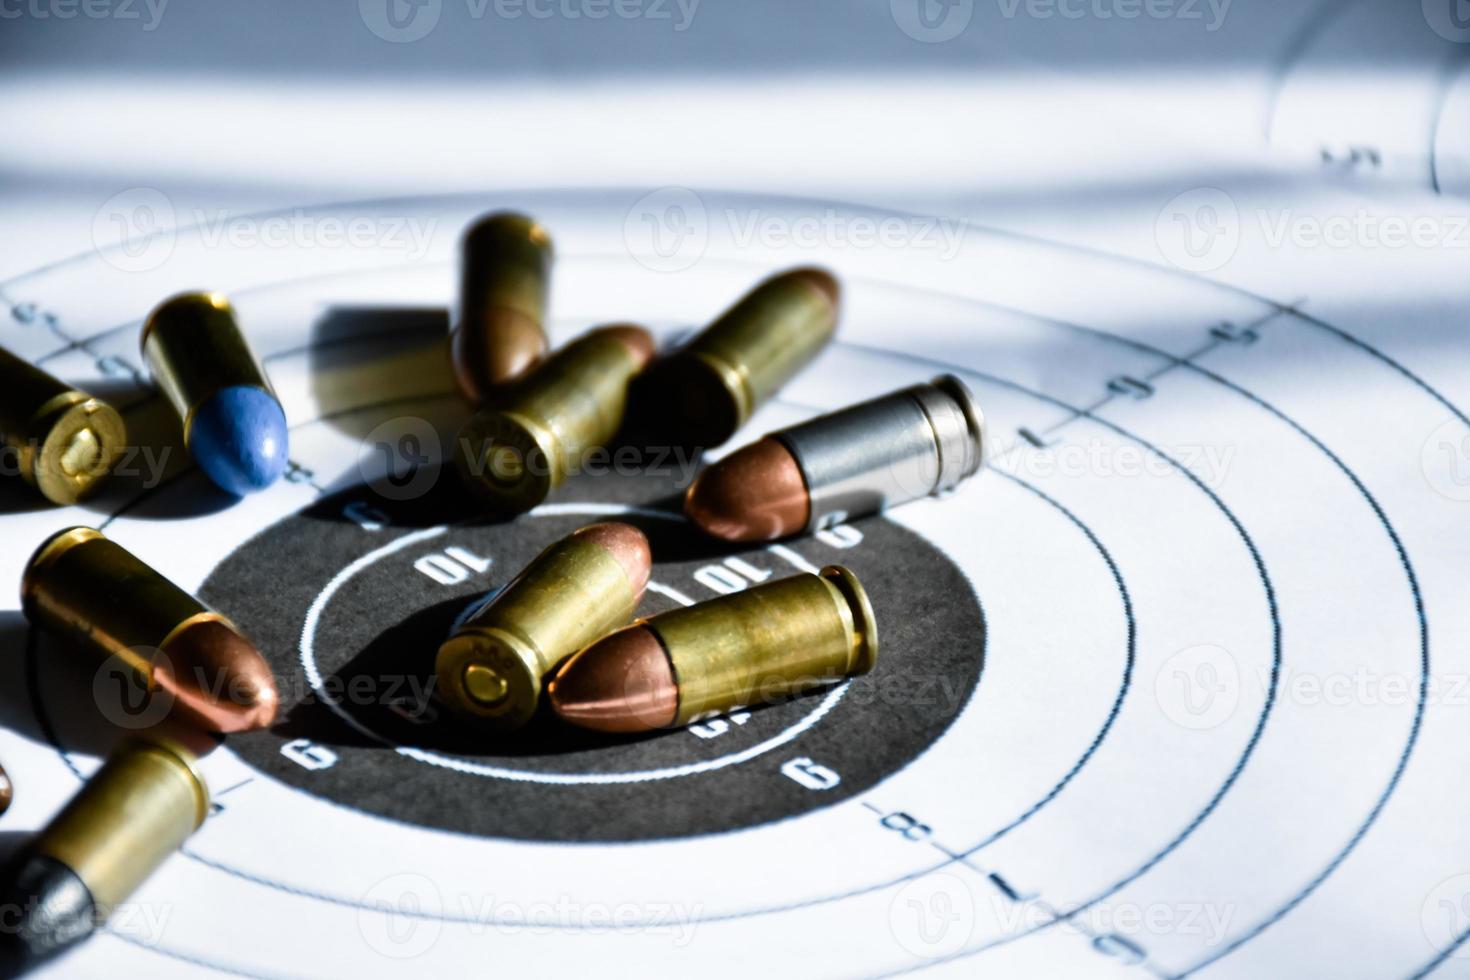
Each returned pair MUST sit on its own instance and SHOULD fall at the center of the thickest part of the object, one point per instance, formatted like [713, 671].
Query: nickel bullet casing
[518, 449]
[81, 585]
[711, 386]
[737, 650]
[234, 426]
[859, 460]
[65, 441]
[577, 590]
[496, 332]
[135, 811]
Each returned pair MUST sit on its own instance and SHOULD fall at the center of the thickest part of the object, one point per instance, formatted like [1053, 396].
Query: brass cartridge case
[194, 347]
[139, 808]
[518, 449]
[84, 586]
[497, 329]
[710, 387]
[768, 641]
[578, 589]
[734, 651]
[64, 441]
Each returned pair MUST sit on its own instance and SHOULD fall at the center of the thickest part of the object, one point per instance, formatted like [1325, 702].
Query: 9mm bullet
[64, 441]
[7, 790]
[856, 461]
[531, 437]
[577, 590]
[80, 584]
[734, 651]
[496, 331]
[710, 387]
[139, 808]
[234, 426]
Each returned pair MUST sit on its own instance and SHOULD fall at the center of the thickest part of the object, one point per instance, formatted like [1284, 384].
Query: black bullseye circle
[375, 585]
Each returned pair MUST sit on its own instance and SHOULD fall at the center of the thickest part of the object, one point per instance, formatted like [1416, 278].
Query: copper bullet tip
[629, 546]
[821, 280]
[637, 340]
[754, 494]
[621, 683]
[501, 349]
[7, 792]
[218, 679]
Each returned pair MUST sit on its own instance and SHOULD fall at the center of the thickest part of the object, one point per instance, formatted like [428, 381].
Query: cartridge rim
[864, 622]
[59, 423]
[497, 652]
[47, 553]
[528, 473]
[974, 420]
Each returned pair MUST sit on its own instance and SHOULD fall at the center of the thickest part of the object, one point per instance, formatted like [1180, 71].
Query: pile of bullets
[562, 632]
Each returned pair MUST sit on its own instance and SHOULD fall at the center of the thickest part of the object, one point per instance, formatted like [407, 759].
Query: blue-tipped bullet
[238, 437]
[234, 426]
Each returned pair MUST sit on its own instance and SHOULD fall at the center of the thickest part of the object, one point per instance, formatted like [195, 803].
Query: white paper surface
[1210, 290]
